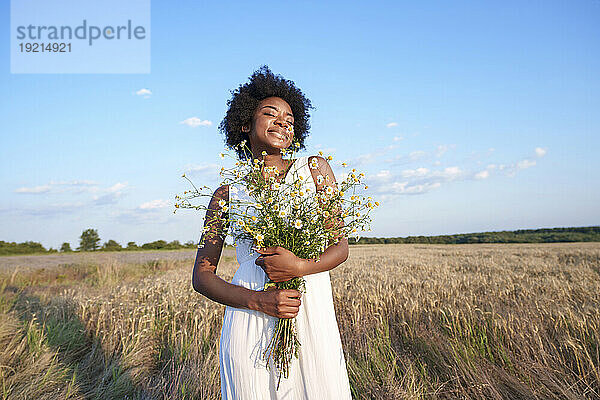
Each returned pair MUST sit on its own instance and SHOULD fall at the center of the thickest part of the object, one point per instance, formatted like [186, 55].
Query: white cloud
[362, 159]
[53, 187]
[373, 156]
[107, 198]
[195, 122]
[383, 174]
[412, 181]
[34, 190]
[482, 174]
[392, 124]
[406, 187]
[423, 179]
[512, 169]
[442, 149]
[116, 187]
[145, 93]
[48, 210]
[154, 204]
[415, 173]
[540, 152]
[523, 164]
[93, 196]
[415, 155]
[74, 183]
[111, 195]
[422, 155]
[451, 172]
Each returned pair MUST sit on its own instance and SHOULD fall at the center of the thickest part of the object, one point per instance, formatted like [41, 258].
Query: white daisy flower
[314, 164]
[259, 237]
[222, 203]
[297, 224]
[282, 213]
[329, 190]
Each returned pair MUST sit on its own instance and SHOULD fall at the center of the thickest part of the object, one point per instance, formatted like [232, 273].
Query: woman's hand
[279, 263]
[280, 303]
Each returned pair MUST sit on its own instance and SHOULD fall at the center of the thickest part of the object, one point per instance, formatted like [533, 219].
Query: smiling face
[272, 126]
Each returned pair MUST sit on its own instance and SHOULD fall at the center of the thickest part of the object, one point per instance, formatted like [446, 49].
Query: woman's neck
[270, 159]
[274, 160]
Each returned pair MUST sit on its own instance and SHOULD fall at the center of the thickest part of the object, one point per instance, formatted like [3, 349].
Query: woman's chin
[278, 144]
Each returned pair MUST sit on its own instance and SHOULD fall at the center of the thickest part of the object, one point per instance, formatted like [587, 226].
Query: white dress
[320, 371]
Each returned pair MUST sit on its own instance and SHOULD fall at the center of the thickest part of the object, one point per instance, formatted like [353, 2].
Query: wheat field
[496, 321]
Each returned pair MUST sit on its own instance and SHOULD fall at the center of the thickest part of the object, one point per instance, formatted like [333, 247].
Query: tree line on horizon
[90, 240]
[544, 235]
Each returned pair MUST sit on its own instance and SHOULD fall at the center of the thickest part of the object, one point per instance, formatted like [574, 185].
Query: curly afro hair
[244, 101]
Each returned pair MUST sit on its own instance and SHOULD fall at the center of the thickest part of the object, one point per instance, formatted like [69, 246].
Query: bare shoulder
[222, 193]
[321, 171]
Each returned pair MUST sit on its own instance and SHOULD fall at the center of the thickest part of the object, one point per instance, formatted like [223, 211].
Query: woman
[269, 112]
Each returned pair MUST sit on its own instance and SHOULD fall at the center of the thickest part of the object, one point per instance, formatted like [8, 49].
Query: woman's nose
[280, 121]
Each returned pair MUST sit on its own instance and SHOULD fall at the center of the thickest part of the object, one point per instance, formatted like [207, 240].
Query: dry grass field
[417, 321]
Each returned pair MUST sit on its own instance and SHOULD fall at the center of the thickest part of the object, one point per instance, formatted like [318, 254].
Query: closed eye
[271, 115]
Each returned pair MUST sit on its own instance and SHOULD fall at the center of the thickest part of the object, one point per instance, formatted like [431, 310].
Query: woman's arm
[278, 303]
[333, 256]
[204, 277]
[281, 265]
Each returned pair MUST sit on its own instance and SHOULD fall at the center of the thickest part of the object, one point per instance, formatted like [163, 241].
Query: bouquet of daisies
[286, 214]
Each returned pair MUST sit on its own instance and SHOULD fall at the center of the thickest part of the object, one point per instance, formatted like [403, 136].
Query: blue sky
[465, 116]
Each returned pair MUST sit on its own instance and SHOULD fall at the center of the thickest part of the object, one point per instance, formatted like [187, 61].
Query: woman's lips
[279, 135]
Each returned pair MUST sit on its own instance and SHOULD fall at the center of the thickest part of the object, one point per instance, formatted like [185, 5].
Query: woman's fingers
[292, 301]
[288, 313]
[293, 293]
[276, 276]
[289, 309]
[267, 250]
